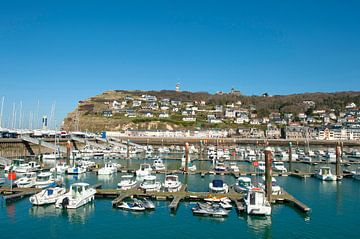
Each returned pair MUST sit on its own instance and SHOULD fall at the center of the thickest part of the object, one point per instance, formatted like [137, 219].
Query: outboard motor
[65, 203]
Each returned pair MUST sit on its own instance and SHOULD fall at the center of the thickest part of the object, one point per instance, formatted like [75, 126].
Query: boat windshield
[171, 178]
[149, 182]
[77, 190]
[43, 178]
[325, 171]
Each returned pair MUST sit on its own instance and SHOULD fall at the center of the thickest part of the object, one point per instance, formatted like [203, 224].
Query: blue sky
[65, 51]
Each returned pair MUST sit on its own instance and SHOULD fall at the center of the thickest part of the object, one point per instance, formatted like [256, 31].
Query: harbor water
[335, 209]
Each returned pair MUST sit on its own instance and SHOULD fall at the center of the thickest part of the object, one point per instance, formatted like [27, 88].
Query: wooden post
[268, 173]
[68, 151]
[342, 149]
[338, 153]
[186, 157]
[290, 157]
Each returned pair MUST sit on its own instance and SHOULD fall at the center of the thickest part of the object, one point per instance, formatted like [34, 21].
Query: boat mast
[1, 111]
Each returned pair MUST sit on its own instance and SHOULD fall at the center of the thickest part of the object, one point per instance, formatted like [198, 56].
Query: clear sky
[64, 51]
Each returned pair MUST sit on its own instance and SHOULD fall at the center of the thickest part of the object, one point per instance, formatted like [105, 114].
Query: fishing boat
[324, 174]
[134, 205]
[76, 170]
[279, 167]
[256, 203]
[44, 180]
[27, 181]
[60, 168]
[172, 183]
[150, 184]
[243, 184]
[32, 166]
[108, 169]
[127, 182]
[356, 174]
[158, 164]
[144, 170]
[78, 195]
[47, 196]
[211, 210]
[220, 167]
[218, 186]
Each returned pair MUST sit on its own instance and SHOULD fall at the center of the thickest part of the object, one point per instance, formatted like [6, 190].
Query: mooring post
[342, 149]
[186, 156]
[268, 173]
[128, 149]
[290, 157]
[68, 150]
[200, 150]
[338, 153]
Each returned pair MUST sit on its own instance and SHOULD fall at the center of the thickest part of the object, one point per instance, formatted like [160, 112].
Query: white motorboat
[158, 164]
[172, 183]
[27, 181]
[256, 203]
[276, 189]
[234, 168]
[16, 163]
[150, 184]
[108, 169]
[261, 166]
[44, 180]
[243, 185]
[144, 170]
[330, 155]
[191, 167]
[218, 186]
[2, 181]
[324, 174]
[250, 155]
[279, 167]
[32, 166]
[220, 167]
[127, 182]
[78, 195]
[52, 156]
[47, 196]
[356, 174]
[60, 168]
[76, 170]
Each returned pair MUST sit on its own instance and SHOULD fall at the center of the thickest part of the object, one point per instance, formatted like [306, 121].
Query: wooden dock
[286, 197]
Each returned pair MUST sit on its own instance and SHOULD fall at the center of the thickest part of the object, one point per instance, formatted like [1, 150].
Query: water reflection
[259, 224]
[78, 215]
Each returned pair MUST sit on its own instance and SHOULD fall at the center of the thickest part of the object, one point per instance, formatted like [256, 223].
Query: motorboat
[16, 163]
[212, 210]
[234, 168]
[220, 167]
[218, 186]
[276, 189]
[243, 184]
[108, 169]
[213, 198]
[148, 204]
[356, 174]
[250, 155]
[127, 182]
[144, 170]
[44, 180]
[78, 195]
[27, 181]
[191, 167]
[158, 164]
[324, 174]
[52, 156]
[47, 196]
[279, 167]
[261, 166]
[32, 166]
[134, 205]
[2, 181]
[76, 170]
[256, 203]
[60, 168]
[330, 155]
[150, 184]
[172, 183]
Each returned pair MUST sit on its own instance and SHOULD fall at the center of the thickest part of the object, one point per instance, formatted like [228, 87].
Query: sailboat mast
[1, 112]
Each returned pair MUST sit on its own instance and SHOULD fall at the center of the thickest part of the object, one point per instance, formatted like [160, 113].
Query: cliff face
[116, 110]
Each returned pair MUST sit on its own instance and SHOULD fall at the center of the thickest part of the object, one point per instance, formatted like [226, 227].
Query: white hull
[44, 198]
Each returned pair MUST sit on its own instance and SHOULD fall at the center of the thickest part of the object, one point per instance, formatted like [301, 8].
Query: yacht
[144, 170]
[27, 181]
[172, 183]
[279, 167]
[158, 164]
[47, 196]
[324, 174]
[256, 203]
[76, 170]
[108, 169]
[127, 182]
[150, 184]
[218, 186]
[44, 180]
[243, 185]
[78, 195]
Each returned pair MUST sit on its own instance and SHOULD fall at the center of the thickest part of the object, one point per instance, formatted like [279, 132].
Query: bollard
[186, 157]
[268, 173]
